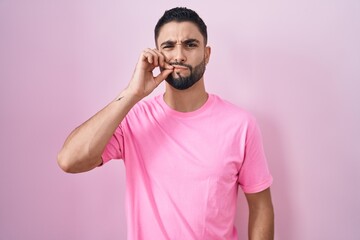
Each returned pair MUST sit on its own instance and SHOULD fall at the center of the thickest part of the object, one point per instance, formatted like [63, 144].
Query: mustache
[180, 64]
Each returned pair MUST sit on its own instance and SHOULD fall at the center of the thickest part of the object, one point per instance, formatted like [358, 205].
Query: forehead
[179, 31]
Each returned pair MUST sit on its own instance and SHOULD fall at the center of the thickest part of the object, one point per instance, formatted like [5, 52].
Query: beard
[184, 82]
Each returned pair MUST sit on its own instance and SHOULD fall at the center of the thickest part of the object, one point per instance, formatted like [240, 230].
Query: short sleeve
[115, 146]
[254, 175]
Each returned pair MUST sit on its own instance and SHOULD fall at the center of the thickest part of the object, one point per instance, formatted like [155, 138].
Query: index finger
[161, 57]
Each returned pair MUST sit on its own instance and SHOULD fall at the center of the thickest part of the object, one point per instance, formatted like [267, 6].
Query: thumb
[163, 75]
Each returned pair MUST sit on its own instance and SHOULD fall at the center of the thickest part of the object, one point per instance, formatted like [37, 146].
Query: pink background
[294, 64]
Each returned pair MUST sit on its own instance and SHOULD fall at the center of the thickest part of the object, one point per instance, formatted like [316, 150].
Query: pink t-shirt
[183, 169]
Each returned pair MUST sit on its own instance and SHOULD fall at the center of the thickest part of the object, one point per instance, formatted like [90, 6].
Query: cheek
[192, 57]
[167, 54]
[197, 58]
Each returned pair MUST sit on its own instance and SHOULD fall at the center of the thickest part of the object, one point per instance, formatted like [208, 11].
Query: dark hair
[181, 14]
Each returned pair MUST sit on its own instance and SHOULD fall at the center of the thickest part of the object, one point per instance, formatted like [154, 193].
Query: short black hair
[181, 14]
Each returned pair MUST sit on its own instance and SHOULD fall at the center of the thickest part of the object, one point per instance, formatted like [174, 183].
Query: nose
[179, 54]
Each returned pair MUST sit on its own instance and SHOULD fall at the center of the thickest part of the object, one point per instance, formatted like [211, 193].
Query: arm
[83, 148]
[261, 215]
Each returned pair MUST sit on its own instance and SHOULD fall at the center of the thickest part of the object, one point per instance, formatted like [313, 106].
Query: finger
[168, 66]
[154, 55]
[163, 75]
[161, 57]
[146, 56]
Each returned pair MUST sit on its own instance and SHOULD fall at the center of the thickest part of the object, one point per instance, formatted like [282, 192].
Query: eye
[168, 46]
[191, 45]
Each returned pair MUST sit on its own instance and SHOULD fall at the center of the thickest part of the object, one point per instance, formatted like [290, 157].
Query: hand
[143, 81]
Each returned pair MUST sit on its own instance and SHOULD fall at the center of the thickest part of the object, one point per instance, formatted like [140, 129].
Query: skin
[261, 216]
[177, 42]
[180, 50]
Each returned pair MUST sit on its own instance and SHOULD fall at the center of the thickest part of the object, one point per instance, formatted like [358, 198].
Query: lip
[180, 68]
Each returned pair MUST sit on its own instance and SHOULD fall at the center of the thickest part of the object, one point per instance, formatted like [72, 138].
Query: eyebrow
[187, 41]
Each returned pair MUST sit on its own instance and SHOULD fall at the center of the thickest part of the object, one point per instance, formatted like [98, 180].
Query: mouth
[178, 67]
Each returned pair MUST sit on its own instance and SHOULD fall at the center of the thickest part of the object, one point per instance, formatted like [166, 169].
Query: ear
[207, 54]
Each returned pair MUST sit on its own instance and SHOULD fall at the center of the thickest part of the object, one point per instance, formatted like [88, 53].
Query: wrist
[129, 95]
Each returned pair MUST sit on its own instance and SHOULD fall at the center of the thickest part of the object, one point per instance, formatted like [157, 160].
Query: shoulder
[230, 110]
[145, 107]
[146, 104]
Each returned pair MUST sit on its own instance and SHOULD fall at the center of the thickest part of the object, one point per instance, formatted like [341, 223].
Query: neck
[187, 100]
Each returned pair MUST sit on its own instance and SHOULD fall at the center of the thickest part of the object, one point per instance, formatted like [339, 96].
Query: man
[185, 152]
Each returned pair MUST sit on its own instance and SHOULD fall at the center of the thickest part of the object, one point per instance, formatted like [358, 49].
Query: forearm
[83, 148]
[261, 223]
